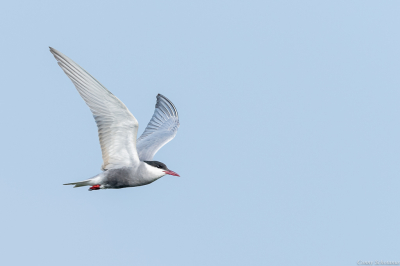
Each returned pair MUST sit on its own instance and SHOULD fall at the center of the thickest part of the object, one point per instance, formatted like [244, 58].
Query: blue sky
[288, 148]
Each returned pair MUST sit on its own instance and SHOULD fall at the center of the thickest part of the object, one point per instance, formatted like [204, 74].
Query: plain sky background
[288, 148]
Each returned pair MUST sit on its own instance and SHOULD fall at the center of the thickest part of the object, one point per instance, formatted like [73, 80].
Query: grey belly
[123, 177]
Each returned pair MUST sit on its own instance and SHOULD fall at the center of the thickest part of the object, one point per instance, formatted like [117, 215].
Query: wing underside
[117, 127]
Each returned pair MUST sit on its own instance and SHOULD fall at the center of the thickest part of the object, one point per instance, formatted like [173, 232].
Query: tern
[127, 161]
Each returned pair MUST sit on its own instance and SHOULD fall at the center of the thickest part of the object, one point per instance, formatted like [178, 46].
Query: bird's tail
[80, 183]
[88, 182]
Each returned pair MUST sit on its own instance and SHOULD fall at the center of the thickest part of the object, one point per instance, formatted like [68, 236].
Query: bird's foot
[95, 187]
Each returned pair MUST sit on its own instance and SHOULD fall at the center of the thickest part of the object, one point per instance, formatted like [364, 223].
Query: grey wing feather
[161, 129]
[117, 127]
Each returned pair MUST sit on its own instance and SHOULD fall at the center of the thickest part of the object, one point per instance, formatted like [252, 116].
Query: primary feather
[161, 129]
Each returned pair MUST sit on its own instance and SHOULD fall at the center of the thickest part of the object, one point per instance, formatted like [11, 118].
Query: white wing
[161, 129]
[117, 127]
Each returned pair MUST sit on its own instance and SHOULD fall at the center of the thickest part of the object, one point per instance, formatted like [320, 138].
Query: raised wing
[161, 129]
[117, 127]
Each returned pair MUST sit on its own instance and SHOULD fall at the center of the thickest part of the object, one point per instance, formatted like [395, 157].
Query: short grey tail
[80, 184]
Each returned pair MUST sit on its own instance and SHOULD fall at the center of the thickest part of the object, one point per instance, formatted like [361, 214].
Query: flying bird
[127, 161]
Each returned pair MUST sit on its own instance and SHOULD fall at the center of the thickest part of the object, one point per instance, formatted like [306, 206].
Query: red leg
[95, 187]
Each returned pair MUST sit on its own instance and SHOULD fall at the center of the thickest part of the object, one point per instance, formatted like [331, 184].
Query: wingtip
[56, 52]
[53, 51]
[161, 96]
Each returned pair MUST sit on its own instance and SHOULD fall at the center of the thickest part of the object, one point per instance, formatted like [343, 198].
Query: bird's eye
[158, 166]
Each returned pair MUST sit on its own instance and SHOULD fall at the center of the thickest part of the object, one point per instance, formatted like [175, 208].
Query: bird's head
[160, 168]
